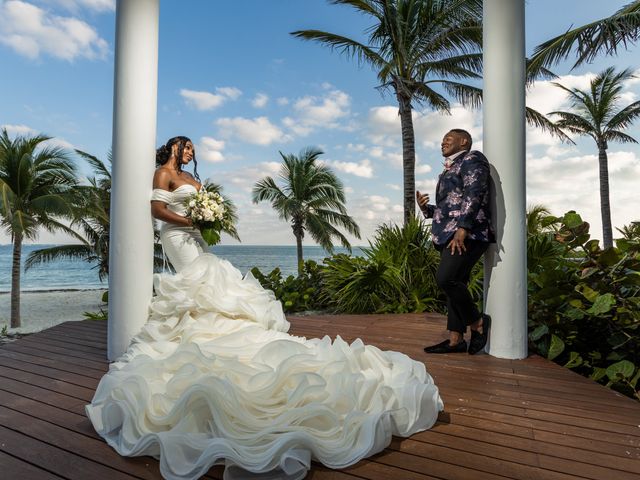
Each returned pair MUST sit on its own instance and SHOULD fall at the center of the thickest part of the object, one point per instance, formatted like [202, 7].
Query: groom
[461, 231]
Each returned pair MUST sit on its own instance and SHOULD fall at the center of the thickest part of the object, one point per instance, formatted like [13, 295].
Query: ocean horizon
[81, 275]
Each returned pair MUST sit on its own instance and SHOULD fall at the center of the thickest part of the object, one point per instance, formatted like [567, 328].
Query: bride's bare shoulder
[162, 178]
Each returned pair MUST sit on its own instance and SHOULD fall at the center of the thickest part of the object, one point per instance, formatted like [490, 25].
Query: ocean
[79, 275]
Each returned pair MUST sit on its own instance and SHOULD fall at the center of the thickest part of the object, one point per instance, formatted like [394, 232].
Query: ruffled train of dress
[213, 378]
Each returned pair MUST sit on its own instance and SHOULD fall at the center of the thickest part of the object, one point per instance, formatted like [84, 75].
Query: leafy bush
[396, 275]
[297, 294]
[584, 302]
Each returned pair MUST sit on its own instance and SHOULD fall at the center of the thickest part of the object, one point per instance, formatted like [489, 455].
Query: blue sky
[233, 79]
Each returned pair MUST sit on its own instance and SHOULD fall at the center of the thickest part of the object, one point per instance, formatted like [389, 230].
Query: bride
[213, 377]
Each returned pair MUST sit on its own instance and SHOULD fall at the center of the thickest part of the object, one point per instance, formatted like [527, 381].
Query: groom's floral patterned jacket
[462, 200]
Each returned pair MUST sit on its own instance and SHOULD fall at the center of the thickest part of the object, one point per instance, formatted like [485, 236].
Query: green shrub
[584, 302]
[297, 294]
[396, 274]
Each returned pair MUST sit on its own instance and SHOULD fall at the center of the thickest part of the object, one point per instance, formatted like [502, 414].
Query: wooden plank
[503, 418]
[100, 367]
[41, 395]
[77, 340]
[529, 453]
[47, 383]
[13, 468]
[587, 453]
[47, 346]
[92, 449]
[486, 459]
[49, 372]
[57, 364]
[56, 460]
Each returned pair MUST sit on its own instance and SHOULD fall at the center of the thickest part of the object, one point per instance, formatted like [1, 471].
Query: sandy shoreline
[44, 309]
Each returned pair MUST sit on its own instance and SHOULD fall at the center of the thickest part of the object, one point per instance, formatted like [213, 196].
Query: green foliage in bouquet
[584, 302]
[225, 218]
[297, 293]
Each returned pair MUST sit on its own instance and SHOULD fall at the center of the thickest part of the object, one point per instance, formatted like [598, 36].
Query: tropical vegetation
[312, 198]
[90, 221]
[597, 113]
[36, 192]
[584, 301]
[420, 50]
[604, 36]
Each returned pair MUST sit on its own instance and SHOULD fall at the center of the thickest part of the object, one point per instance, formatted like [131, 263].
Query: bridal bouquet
[211, 213]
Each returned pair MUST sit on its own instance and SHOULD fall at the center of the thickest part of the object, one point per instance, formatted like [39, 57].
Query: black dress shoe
[446, 347]
[479, 340]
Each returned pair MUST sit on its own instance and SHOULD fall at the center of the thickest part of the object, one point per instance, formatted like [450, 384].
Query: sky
[234, 80]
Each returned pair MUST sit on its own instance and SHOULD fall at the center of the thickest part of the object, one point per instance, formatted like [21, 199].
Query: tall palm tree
[90, 218]
[311, 198]
[596, 114]
[602, 36]
[420, 49]
[35, 192]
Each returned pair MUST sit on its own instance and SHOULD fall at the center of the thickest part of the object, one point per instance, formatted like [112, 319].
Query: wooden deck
[503, 419]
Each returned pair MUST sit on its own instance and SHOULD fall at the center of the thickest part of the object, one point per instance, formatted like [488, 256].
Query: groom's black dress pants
[453, 277]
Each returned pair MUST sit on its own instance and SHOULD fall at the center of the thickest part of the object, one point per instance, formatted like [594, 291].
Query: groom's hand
[457, 242]
[422, 199]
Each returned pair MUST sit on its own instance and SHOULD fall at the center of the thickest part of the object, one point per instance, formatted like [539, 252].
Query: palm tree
[596, 114]
[35, 192]
[604, 35]
[311, 198]
[91, 204]
[419, 48]
[90, 217]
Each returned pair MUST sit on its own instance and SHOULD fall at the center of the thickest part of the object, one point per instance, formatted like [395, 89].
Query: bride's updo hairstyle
[164, 153]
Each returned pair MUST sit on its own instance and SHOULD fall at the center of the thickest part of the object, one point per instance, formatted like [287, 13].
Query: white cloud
[202, 100]
[282, 101]
[318, 112]
[572, 183]
[230, 92]
[395, 187]
[260, 100]
[210, 149]
[59, 143]
[421, 169]
[356, 147]
[76, 5]
[360, 169]
[383, 125]
[24, 130]
[14, 130]
[258, 131]
[32, 32]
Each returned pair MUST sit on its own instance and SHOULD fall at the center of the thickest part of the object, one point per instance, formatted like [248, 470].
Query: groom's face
[453, 143]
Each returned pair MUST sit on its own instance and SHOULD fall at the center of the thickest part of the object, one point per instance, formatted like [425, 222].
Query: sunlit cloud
[32, 32]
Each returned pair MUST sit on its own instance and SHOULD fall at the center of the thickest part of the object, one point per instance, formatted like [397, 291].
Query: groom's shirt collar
[456, 155]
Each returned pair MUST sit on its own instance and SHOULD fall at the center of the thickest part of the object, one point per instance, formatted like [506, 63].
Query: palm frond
[538, 120]
[61, 252]
[344, 45]
[602, 36]
[617, 136]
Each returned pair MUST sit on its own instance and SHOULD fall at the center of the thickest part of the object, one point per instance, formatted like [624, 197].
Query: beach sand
[40, 310]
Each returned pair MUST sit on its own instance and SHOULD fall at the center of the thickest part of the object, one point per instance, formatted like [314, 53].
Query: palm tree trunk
[299, 249]
[15, 281]
[605, 205]
[408, 157]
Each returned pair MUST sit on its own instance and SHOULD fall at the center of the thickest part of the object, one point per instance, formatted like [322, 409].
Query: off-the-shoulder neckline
[178, 188]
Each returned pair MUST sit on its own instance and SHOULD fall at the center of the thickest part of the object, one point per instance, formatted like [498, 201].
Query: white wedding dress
[213, 378]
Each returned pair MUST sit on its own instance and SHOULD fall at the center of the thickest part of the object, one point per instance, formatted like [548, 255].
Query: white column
[134, 138]
[504, 146]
